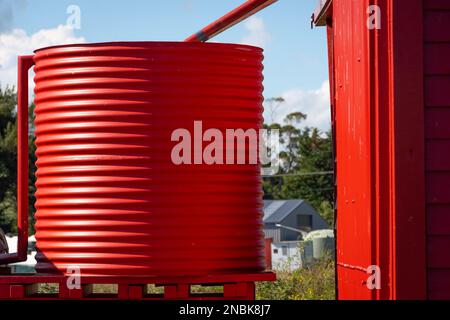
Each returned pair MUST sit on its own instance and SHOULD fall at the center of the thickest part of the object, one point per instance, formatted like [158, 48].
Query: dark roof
[276, 210]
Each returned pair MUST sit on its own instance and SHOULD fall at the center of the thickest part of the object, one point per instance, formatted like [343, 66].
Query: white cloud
[257, 32]
[314, 103]
[17, 42]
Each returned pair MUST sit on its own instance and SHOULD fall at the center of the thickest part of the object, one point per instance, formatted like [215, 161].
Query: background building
[296, 214]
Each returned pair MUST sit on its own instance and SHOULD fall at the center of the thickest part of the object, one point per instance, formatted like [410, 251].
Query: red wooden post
[268, 253]
[244, 290]
[131, 292]
[180, 291]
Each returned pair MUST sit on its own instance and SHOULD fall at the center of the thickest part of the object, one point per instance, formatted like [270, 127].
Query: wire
[321, 173]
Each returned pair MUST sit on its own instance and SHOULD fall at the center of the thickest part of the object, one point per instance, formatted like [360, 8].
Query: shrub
[314, 282]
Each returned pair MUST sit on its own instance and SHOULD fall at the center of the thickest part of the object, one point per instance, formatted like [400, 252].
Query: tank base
[235, 287]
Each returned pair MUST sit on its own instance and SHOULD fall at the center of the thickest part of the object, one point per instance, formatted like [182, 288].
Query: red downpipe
[232, 18]
[24, 64]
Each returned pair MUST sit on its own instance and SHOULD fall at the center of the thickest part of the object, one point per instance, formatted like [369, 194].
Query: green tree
[8, 162]
[306, 163]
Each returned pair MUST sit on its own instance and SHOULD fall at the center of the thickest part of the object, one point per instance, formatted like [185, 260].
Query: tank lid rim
[125, 43]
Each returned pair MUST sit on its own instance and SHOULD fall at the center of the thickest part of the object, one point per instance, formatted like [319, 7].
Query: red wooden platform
[235, 287]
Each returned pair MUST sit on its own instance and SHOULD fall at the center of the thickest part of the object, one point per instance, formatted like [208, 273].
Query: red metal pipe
[232, 18]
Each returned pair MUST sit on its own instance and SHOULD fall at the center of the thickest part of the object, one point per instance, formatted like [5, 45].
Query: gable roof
[276, 210]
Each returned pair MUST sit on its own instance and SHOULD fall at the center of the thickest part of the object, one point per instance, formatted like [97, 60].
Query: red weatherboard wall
[437, 115]
[386, 185]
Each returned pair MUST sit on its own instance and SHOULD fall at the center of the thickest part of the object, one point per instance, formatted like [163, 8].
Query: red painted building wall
[437, 134]
[380, 86]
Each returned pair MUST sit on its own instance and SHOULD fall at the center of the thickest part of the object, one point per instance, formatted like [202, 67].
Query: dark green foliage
[314, 282]
[307, 161]
[8, 162]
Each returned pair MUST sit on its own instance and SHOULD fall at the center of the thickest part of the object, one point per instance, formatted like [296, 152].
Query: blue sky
[295, 55]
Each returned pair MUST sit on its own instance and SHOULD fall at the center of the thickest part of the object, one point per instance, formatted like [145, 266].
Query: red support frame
[235, 287]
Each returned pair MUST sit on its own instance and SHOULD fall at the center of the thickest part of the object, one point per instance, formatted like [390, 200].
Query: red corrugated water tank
[109, 198]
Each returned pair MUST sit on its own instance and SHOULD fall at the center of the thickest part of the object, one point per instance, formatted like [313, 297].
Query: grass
[314, 282]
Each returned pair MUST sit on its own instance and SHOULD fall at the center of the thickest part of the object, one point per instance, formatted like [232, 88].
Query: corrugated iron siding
[272, 233]
[437, 112]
